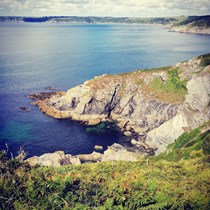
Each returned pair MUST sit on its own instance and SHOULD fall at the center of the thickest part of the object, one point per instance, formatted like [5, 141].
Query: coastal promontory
[151, 108]
[192, 24]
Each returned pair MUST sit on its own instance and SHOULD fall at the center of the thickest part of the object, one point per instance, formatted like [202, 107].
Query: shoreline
[109, 98]
[169, 27]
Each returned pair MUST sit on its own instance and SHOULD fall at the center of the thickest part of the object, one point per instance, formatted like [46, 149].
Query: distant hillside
[91, 19]
[193, 24]
[203, 21]
[183, 24]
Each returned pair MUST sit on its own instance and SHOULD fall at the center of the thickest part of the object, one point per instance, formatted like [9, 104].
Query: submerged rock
[51, 88]
[44, 95]
[24, 108]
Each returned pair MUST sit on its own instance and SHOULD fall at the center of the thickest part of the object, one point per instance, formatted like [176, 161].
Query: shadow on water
[53, 135]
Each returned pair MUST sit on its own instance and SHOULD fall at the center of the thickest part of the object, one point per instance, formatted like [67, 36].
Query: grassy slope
[173, 90]
[177, 179]
[199, 21]
[205, 60]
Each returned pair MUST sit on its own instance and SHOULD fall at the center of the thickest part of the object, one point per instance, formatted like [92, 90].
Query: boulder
[121, 124]
[93, 121]
[93, 157]
[57, 158]
[127, 133]
[98, 147]
[119, 153]
[134, 142]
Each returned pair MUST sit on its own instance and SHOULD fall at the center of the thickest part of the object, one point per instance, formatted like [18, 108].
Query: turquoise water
[36, 56]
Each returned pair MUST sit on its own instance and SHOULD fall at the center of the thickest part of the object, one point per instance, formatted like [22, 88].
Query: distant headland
[183, 24]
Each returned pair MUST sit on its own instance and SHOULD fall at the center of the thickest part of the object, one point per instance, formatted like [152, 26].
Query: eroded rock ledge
[151, 108]
[59, 158]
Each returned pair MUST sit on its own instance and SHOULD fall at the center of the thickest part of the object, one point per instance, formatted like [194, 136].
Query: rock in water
[98, 147]
[24, 108]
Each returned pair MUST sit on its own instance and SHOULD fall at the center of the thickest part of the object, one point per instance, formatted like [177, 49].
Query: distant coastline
[90, 19]
[182, 24]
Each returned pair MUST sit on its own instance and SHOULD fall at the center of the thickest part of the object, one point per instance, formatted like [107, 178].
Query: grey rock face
[140, 113]
[190, 29]
[194, 112]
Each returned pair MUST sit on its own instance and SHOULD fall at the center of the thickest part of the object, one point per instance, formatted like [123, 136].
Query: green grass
[164, 68]
[173, 87]
[188, 145]
[176, 179]
[172, 84]
[200, 21]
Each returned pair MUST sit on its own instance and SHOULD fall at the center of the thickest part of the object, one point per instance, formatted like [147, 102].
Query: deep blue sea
[36, 56]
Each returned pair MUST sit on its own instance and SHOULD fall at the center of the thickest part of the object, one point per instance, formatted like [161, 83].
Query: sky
[115, 8]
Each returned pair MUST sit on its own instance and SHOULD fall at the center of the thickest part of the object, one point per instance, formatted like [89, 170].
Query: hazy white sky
[132, 8]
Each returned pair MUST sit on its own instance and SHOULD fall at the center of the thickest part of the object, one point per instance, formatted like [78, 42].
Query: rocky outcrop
[58, 158]
[117, 152]
[93, 157]
[190, 29]
[192, 24]
[147, 106]
[194, 112]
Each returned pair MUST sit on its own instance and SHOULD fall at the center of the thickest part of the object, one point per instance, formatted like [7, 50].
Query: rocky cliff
[193, 24]
[191, 29]
[151, 108]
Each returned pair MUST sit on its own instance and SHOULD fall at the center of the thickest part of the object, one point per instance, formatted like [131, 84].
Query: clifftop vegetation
[176, 179]
[205, 60]
[193, 24]
[200, 21]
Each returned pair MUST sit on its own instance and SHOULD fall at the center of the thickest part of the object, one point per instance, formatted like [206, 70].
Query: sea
[36, 56]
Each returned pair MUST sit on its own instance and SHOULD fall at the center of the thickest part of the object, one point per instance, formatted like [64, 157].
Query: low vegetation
[199, 21]
[177, 179]
[205, 60]
[173, 89]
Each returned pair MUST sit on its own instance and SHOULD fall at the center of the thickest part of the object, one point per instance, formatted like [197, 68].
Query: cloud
[131, 8]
